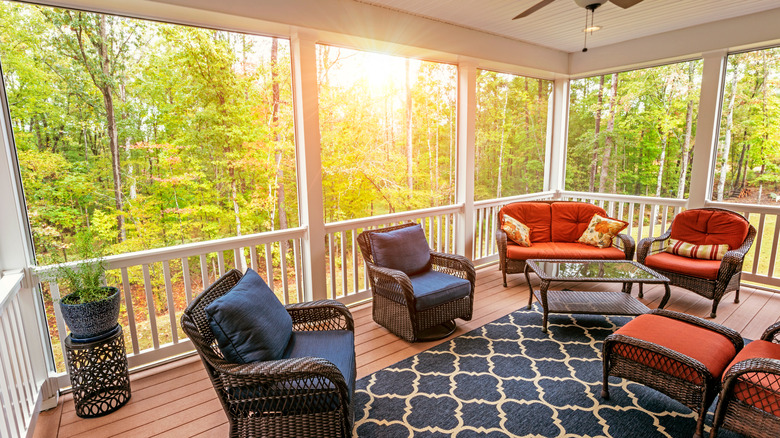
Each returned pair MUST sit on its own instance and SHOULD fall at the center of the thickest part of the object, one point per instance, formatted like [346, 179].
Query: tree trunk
[724, 166]
[501, 146]
[596, 131]
[610, 141]
[661, 163]
[686, 148]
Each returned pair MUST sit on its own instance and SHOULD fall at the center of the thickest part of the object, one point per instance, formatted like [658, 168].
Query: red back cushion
[535, 215]
[707, 227]
[569, 219]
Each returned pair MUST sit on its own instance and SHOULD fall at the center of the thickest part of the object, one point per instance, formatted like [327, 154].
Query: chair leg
[641, 291]
[503, 271]
[736, 297]
[714, 308]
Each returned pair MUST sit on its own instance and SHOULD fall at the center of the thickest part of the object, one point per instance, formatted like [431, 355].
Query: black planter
[91, 320]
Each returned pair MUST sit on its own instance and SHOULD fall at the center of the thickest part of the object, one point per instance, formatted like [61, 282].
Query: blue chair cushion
[404, 249]
[249, 323]
[337, 346]
[433, 288]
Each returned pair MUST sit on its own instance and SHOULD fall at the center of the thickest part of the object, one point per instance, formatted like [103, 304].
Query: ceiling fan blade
[534, 8]
[625, 3]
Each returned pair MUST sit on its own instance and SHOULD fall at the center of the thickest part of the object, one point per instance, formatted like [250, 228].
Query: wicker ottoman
[677, 354]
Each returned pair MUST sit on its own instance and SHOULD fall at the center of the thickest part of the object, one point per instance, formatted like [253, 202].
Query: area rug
[508, 378]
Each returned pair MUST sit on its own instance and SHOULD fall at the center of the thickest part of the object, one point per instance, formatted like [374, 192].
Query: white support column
[707, 126]
[557, 135]
[307, 138]
[467, 113]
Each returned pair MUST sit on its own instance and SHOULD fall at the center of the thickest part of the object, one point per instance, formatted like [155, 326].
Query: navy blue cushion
[337, 346]
[433, 288]
[404, 249]
[249, 322]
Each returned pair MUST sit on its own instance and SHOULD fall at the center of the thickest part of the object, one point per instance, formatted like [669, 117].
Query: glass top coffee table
[591, 302]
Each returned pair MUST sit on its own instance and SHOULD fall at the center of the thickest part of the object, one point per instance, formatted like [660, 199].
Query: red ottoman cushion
[712, 349]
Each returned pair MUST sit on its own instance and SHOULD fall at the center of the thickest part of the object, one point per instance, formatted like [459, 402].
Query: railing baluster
[62, 331]
[171, 302]
[757, 243]
[298, 279]
[204, 271]
[29, 378]
[185, 273]
[355, 266]
[283, 259]
[447, 244]
[12, 401]
[221, 262]
[653, 214]
[6, 393]
[640, 233]
[438, 233]
[130, 310]
[269, 265]
[9, 347]
[332, 266]
[343, 255]
[775, 242]
[631, 221]
[150, 307]
[253, 257]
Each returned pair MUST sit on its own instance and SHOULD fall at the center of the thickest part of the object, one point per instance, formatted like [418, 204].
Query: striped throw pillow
[705, 252]
[517, 231]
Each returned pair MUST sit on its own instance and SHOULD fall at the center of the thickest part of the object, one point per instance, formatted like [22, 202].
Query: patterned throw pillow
[705, 252]
[517, 231]
[601, 230]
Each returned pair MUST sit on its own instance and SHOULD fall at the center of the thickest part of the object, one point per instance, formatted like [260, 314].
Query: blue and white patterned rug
[508, 378]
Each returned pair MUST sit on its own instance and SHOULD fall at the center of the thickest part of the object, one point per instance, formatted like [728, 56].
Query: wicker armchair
[728, 275]
[399, 308]
[750, 400]
[295, 397]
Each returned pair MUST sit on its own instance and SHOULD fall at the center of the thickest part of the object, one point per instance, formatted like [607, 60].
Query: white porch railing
[158, 284]
[19, 388]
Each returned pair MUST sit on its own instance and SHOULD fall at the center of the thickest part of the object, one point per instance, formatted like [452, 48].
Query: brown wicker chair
[686, 379]
[306, 396]
[728, 276]
[750, 400]
[395, 305]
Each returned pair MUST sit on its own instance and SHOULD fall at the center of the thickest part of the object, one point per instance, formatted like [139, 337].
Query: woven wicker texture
[680, 377]
[750, 399]
[302, 397]
[507, 265]
[729, 273]
[394, 303]
[98, 375]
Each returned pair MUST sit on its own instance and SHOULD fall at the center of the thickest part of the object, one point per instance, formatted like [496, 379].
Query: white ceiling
[559, 25]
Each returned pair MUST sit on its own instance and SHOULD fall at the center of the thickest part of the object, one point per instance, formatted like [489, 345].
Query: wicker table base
[98, 374]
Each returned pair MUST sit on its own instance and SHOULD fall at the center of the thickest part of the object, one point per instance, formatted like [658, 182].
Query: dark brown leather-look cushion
[707, 227]
[570, 219]
[535, 215]
[712, 349]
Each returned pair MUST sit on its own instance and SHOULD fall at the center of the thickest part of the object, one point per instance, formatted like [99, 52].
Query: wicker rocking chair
[290, 397]
[444, 291]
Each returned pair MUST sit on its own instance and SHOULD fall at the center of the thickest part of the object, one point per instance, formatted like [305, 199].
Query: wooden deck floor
[177, 400]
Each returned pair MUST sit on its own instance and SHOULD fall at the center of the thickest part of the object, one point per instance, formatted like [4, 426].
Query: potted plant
[91, 310]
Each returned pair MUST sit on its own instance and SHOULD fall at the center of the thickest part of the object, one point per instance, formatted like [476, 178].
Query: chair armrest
[732, 335]
[772, 333]
[392, 280]
[732, 260]
[321, 315]
[454, 264]
[651, 245]
[626, 244]
[754, 365]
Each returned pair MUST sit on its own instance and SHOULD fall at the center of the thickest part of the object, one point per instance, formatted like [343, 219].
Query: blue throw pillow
[249, 322]
[404, 249]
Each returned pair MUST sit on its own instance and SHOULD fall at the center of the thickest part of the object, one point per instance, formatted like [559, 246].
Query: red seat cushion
[708, 227]
[712, 349]
[570, 219]
[761, 390]
[684, 265]
[535, 215]
[562, 250]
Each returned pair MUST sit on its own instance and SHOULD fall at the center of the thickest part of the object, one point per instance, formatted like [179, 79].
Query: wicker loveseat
[555, 227]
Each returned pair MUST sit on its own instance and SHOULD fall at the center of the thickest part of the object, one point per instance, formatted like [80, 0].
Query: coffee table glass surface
[626, 272]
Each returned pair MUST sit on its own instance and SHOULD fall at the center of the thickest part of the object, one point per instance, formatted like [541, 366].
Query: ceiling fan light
[591, 3]
[591, 28]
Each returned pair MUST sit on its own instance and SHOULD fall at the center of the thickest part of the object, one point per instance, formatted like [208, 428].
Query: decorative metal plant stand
[98, 373]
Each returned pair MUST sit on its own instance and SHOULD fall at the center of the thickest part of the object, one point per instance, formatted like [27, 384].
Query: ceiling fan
[587, 4]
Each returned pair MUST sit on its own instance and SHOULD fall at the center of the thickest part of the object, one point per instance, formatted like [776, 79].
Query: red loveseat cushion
[535, 215]
[562, 250]
[759, 389]
[706, 227]
[712, 349]
[684, 265]
[570, 219]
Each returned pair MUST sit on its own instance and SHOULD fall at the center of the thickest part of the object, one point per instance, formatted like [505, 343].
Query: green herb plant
[85, 279]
